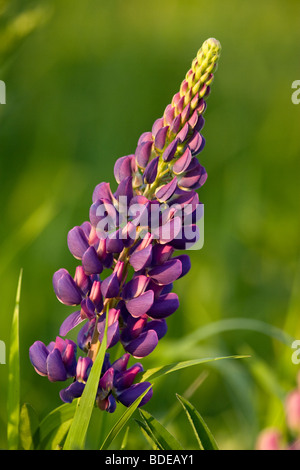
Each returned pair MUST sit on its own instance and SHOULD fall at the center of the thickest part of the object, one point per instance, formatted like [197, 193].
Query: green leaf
[78, 430]
[157, 372]
[203, 435]
[122, 421]
[29, 423]
[159, 434]
[125, 439]
[147, 434]
[57, 437]
[53, 421]
[13, 400]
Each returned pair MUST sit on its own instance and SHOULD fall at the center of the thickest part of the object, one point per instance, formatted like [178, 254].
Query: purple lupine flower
[134, 232]
[116, 383]
[57, 361]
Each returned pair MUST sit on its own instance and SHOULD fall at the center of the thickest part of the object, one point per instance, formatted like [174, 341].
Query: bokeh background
[83, 81]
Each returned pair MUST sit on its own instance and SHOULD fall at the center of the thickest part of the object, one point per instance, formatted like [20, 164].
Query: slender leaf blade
[77, 434]
[52, 421]
[157, 372]
[29, 423]
[13, 400]
[203, 435]
[147, 434]
[160, 435]
[122, 421]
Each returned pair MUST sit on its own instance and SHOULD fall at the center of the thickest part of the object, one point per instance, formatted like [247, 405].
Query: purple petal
[124, 167]
[142, 154]
[119, 269]
[83, 368]
[175, 126]
[185, 113]
[113, 333]
[85, 335]
[74, 390]
[170, 151]
[158, 124]
[82, 280]
[77, 242]
[110, 286]
[161, 254]
[151, 171]
[96, 296]
[164, 306]
[134, 327]
[125, 379]
[166, 191]
[102, 191]
[91, 263]
[185, 263]
[160, 138]
[159, 326]
[128, 234]
[196, 143]
[167, 272]
[107, 404]
[111, 404]
[193, 179]
[197, 121]
[132, 393]
[179, 105]
[135, 287]
[169, 114]
[70, 322]
[183, 162]
[167, 289]
[182, 135]
[38, 354]
[106, 381]
[141, 304]
[143, 345]
[141, 258]
[120, 364]
[103, 216]
[124, 189]
[169, 231]
[145, 137]
[114, 242]
[69, 359]
[55, 367]
[65, 288]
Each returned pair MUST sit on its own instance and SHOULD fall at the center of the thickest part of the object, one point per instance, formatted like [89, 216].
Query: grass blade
[13, 400]
[157, 372]
[203, 435]
[29, 423]
[125, 439]
[147, 434]
[159, 434]
[122, 421]
[53, 421]
[78, 430]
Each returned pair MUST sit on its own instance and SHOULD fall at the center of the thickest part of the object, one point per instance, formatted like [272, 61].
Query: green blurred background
[84, 80]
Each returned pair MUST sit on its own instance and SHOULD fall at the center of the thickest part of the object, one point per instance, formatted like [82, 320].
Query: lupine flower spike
[134, 233]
